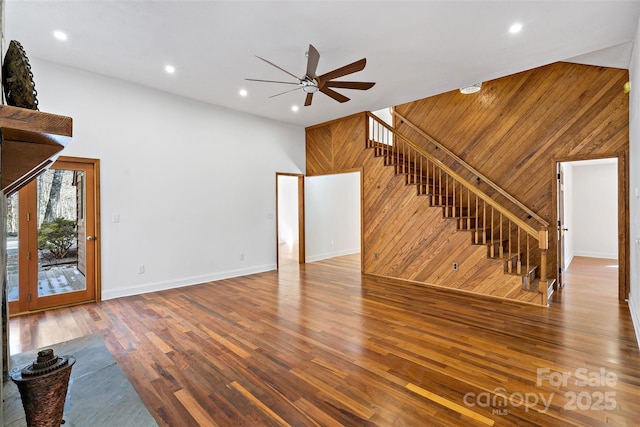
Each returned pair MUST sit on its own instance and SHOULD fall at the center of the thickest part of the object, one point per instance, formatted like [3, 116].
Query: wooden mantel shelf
[30, 141]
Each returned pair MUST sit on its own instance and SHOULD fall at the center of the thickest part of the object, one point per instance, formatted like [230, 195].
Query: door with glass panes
[52, 245]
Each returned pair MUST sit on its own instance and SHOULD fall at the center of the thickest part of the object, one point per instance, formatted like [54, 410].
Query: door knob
[90, 238]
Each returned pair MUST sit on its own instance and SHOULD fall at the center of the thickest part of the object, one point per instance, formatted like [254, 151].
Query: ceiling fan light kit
[311, 83]
[309, 86]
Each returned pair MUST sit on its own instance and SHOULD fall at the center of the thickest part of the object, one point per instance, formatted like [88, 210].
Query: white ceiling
[414, 49]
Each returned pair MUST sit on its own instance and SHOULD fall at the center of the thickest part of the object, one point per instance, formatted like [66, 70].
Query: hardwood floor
[320, 345]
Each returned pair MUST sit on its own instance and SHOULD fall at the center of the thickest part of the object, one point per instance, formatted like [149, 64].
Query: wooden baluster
[404, 158]
[380, 137]
[446, 192]
[454, 213]
[381, 145]
[469, 211]
[510, 269]
[440, 185]
[528, 265]
[484, 222]
[501, 238]
[415, 167]
[461, 189]
[427, 176]
[386, 148]
[421, 177]
[519, 252]
[477, 222]
[493, 246]
[376, 139]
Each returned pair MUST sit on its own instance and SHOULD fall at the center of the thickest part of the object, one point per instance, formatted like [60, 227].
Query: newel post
[543, 244]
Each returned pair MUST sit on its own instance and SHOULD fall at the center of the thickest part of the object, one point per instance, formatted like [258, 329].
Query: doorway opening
[590, 215]
[290, 226]
[334, 215]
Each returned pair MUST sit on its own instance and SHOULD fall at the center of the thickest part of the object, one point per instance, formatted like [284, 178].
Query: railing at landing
[507, 236]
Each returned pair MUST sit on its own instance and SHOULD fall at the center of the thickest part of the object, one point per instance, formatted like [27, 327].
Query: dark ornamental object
[17, 78]
[43, 388]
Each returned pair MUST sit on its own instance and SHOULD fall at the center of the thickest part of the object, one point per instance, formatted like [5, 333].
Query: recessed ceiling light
[515, 28]
[295, 108]
[243, 92]
[471, 89]
[60, 35]
[170, 69]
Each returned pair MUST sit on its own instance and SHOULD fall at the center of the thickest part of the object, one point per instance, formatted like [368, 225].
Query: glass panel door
[55, 256]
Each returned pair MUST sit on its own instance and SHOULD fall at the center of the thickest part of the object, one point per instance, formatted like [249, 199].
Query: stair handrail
[471, 169]
[537, 234]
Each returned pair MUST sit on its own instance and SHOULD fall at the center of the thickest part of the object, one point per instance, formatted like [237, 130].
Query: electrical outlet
[455, 266]
[141, 269]
[241, 257]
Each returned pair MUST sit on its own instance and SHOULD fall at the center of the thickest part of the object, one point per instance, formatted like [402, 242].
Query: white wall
[192, 183]
[634, 183]
[332, 215]
[593, 224]
[287, 209]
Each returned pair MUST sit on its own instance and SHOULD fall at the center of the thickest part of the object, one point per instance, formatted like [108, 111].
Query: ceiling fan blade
[286, 91]
[279, 68]
[350, 85]
[343, 71]
[307, 100]
[312, 61]
[272, 81]
[333, 94]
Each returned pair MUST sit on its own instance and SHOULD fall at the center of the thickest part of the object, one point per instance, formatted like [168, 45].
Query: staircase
[519, 246]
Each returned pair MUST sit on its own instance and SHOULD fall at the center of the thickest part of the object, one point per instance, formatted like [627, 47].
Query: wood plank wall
[513, 131]
[516, 128]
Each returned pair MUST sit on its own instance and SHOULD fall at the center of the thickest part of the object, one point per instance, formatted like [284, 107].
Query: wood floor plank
[196, 411]
[322, 345]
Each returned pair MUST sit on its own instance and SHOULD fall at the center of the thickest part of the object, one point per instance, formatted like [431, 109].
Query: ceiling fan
[311, 83]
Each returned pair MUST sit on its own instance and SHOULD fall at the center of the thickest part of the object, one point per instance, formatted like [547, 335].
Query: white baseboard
[327, 255]
[635, 317]
[590, 254]
[189, 281]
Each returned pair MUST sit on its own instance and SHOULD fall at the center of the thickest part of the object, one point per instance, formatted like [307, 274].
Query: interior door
[52, 238]
[560, 225]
